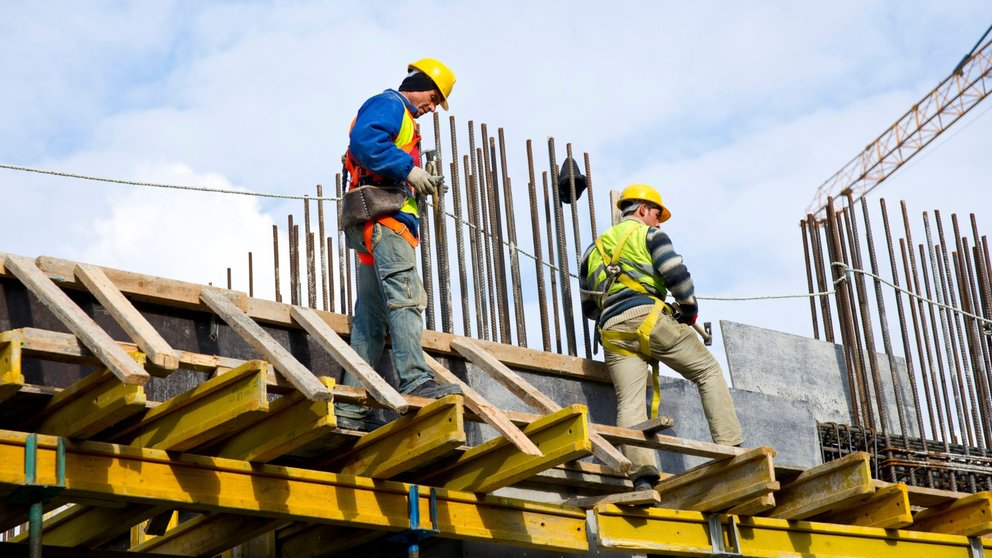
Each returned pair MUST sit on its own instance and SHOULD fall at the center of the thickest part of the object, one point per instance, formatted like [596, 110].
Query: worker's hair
[630, 208]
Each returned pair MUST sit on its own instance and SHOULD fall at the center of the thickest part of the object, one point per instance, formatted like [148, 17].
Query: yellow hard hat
[644, 193]
[442, 76]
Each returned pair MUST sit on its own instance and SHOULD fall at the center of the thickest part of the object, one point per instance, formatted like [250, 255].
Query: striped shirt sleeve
[668, 264]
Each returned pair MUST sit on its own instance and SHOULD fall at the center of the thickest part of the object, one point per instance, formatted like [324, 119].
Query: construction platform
[156, 417]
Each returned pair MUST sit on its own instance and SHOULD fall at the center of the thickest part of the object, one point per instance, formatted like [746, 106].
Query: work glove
[422, 181]
[687, 319]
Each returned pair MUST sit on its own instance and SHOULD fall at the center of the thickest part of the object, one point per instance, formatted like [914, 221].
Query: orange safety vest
[408, 140]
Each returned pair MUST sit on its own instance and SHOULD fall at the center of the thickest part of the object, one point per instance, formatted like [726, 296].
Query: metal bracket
[32, 492]
[716, 537]
[415, 534]
[975, 548]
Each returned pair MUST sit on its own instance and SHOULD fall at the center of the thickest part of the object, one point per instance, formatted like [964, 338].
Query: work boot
[645, 483]
[434, 390]
[366, 424]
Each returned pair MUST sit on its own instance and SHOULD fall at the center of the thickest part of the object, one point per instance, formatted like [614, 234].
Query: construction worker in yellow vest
[379, 216]
[625, 276]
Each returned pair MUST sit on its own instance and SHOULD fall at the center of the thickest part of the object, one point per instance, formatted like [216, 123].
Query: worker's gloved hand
[687, 319]
[439, 184]
[421, 181]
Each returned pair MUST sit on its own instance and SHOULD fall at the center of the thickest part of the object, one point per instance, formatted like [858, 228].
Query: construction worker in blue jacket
[383, 167]
[625, 277]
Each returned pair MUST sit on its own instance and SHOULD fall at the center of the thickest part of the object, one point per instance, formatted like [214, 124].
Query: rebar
[323, 251]
[577, 244]
[551, 259]
[426, 268]
[843, 309]
[311, 269]
[456, 200]
[857, 349]
[330, 275]
[293, 268]
[538, 260]
[974, 378]
[485, 238]
[821, 277]
[484, 250]
[228, 278]
[566, 284]
[441, 238]
[251, 277]
[511, 226]
[343, 271]
[809, 280]
[482, 325]
[592, 203]
[496, 234]
[275, 260]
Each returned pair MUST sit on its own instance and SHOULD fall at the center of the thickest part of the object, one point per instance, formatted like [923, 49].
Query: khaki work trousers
[680, 348]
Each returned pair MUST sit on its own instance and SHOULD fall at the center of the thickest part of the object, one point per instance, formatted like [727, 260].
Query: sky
[735, 111]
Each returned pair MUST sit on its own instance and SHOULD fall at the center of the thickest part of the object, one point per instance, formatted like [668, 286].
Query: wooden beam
[888, 508]
[719, 485]
[562, 436]
[291, 422]
[200, 483]
[95, 338]
[212, 409]
[754, 507]
[637, 498]
[90, 526]
[651, 426]
[160, 354]
[533, 397]
[828, 487]
[91, 405]
[265, 344]
[208, 535]
[11, 377]
[483, 409]
[970, 516]
[348, 358]
[408, 442]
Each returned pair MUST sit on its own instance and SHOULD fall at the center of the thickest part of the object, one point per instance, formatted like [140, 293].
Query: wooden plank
[160, 354]
[562, 436]
[348, 358]
[95, 339]
[291, 422]
[91, 405]
[888, 508]
[719, 485]
[208, 534]
[827, 487]
[754, 507]
[970, 516]
[91, 526]
[533, 397]
[265, 344]
[483, 409]
[636, 498]
[651, 426]
[408, 442]
[11, 377]
[205, 413]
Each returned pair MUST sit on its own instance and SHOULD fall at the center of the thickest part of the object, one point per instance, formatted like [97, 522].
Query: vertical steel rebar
[821, 276]
[538, 260]
[496, 234]
[551, 260]
[251, 277]
[441, 238]
[293, 268]
[945, 389]
[592, 203]
[475, 202]
[809, 280]
[864, 387]
[843, 310]
[311, 269]
[323, 251]
[426, 267]
[957, 301]
[511, 226]
[343, 270]
[481, 321]
[228, 278]
[566, 283]
[486, 239]
[577, 241]
[330, 275]
[962, 264]
[456, 200]
[275, 260]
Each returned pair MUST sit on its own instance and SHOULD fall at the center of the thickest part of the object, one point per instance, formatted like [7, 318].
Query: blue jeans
[391, 299]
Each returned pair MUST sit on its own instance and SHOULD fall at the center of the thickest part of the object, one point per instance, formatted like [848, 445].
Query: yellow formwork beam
[216, 407]
[92, 404]
[207, 535]
[561, 436]
[155, 477]
[969, 516]
[831, 486]
[719, 485]
[411, 441]
[687, 533]
[888, 508]
[11, 377]
[291, 422]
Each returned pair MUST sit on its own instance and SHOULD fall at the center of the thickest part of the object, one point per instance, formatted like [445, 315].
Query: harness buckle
[613, 270]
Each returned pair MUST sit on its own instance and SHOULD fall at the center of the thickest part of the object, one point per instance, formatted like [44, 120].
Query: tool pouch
[370, 202]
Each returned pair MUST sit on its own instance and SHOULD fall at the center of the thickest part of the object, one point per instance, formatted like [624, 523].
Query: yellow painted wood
[207, 535]
[292, 422]
[131, 474]
[160, 354]
[970, 516]
[78, 322]
[139, 535]
[561, 436]
[888, 508]
[11, 377]
[91, 526]
[92, 404]
[261, 341]
[637, 498]
[686, 533]
[754, 507]
[218, 406]
[408, 442]
[719, 485]
[824, 488]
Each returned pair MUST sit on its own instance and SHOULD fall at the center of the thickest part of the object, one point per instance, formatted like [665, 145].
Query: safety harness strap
[391, 223]
[643, 335]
